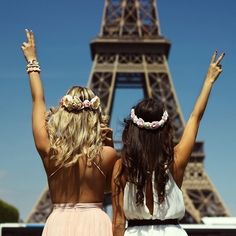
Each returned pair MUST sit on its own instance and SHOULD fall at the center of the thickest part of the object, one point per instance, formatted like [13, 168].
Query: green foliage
[8, 213]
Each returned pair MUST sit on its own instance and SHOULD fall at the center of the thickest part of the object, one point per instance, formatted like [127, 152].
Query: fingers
[213, 58]
[27, 34]
[30, 36]
[24, 45]
[220, 58]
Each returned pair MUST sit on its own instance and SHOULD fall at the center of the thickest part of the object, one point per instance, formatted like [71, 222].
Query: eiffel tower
[130, 52]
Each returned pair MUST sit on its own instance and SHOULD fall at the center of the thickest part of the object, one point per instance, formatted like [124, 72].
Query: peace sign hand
[28, 47]
[215, 67]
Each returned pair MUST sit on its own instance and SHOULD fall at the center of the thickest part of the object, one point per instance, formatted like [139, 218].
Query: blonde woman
[70, 140]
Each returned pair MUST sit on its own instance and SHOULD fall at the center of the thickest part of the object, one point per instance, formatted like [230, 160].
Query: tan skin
[182, 151]
[91, 183]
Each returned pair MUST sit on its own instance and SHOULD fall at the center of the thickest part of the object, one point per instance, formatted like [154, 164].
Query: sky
[63, 31]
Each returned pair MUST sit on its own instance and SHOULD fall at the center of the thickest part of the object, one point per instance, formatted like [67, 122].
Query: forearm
[36, 87]
[213, 73]
[202, 100]
[33, 67]
[184, 148]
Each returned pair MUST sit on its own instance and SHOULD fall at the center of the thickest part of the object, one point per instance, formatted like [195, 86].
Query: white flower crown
[74, 103]
[148, 125]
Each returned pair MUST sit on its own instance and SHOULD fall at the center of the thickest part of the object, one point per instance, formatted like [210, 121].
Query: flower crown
[74, 103]
[148, 125]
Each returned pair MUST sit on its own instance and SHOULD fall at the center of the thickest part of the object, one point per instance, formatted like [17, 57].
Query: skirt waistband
[132, 223]
[77, 205]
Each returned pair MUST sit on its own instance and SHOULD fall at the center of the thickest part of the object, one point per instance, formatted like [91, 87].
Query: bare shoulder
[109, 155]
[109, 152]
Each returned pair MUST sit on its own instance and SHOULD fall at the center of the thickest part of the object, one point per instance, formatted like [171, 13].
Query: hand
[215, 67]
[28, 48]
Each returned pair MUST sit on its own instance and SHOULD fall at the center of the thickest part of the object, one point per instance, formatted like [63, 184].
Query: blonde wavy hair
[74, 134]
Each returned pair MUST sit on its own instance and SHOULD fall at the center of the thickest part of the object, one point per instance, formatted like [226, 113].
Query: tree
[8, 213]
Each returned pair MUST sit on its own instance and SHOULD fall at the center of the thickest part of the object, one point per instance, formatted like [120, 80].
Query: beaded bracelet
[33, 66]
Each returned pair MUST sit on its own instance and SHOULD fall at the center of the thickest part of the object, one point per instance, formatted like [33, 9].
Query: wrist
[31, 59]
[33, 66]
[209, 81]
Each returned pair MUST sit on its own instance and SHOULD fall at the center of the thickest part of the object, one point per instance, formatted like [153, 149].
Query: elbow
[37, 95]
[38, 98]
[42, 148]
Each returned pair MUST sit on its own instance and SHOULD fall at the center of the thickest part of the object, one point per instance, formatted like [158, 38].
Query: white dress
[172, 208]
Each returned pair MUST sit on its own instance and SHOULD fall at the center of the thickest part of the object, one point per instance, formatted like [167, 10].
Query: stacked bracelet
[33, 66]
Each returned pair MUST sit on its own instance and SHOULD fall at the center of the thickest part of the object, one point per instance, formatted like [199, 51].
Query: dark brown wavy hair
[145, 150]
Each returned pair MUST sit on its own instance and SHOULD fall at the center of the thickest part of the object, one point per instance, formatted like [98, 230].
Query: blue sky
[63, 31]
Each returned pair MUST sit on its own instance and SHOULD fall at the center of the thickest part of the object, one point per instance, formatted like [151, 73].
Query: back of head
[147, 146]
[74, 127]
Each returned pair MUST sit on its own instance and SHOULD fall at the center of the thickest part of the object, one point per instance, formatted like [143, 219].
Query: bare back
[82, 182]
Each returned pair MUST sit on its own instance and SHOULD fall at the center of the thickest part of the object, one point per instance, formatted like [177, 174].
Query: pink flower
[154, 124]
[77, 103]
[86, 103]
[140, 123]
[132, 115]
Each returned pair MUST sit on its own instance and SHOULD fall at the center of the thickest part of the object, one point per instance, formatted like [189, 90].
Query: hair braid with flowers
[146, 149]
[75, 127]
[74, 103]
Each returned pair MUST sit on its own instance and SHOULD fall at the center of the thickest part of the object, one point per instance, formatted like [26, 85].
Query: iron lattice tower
[130, 52]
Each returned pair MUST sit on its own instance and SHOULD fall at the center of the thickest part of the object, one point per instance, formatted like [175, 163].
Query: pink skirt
[81, 219]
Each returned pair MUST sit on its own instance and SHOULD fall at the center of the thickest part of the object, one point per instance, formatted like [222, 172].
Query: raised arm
[184, 148]
[40, 134]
